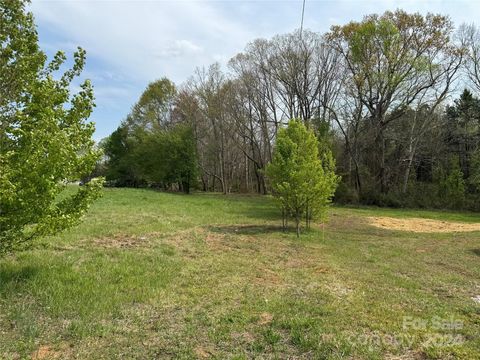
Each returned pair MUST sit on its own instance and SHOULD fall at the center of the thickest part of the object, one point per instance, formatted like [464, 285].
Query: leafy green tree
[182, 157]
[122, 168]
[452, 184]
[462, 131]
[45, 139]
[302, 182]
[154, 108]
[124, 148]
[392, 62]
[168, 157]
[150, 147]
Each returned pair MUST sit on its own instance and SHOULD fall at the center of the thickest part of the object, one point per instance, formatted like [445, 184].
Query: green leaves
[159, 157]
[150, 148]
[302, 182]
[154, 106]
[168, 157]
[45, 136]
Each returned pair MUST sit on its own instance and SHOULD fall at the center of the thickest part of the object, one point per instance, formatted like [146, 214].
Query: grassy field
[154, 275]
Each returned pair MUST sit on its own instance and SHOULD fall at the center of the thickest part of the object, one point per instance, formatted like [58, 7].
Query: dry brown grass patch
[45, 352]
[202, 353]
[338, 289]
[120, 241]
[268, 278]
[265, 318]
[244, 337]
[420, 225]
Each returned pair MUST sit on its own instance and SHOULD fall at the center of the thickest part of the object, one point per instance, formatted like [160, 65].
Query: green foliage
[168, 157]
[148, 148]
[371, 34]
[45, 139]
[452, 185]
[445, 170]
[474, 178]
[462, 130]
[302, 182]
[121, 163]
[154, 106]
[393, 61]
[455, 188]
[325, 136]
[383, 53]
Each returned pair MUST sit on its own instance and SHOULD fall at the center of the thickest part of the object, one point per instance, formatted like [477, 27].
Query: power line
[301, 24]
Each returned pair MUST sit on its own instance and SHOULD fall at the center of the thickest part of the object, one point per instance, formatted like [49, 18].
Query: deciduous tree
[302, 182]
[45, 138]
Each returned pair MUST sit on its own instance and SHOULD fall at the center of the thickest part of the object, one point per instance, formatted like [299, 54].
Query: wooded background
[393, 96]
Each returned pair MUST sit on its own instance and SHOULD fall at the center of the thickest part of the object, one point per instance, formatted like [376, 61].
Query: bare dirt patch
[268, 278]
[265, 318]
[419, 225]
[45, 352]
[409, 355]
[244, 337]
[120, 241]
[202, 353]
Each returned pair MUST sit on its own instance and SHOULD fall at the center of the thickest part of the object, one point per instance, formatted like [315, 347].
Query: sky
[130, 43]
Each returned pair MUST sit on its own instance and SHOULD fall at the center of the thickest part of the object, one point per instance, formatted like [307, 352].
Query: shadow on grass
[247, 229]
[249, 205]
[13, 277]
[476, 251]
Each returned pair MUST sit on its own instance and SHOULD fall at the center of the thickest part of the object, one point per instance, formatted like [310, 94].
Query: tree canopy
[302, 182]
[152, 148]
[45, 138]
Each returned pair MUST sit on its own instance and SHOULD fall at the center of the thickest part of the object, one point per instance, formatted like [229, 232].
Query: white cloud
[132, 42]
[179, 48]
[139, 38]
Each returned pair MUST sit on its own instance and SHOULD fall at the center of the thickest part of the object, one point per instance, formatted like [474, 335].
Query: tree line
[383, 94]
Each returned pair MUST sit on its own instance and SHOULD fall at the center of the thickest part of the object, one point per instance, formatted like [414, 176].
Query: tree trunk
[380, 155]
[297, 222]
[307, 217]
[406, 175]
[247, 175]
[186, 187]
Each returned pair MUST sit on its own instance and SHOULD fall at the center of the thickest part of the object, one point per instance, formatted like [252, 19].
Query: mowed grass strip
[156, 275]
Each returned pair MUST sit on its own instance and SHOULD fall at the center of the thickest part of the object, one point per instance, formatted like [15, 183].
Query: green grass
[154, 275]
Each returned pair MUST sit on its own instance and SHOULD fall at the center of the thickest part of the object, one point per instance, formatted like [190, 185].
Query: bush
[346, 194]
